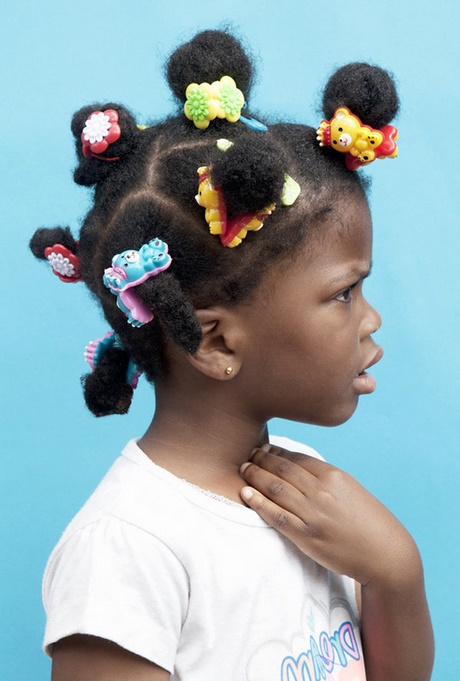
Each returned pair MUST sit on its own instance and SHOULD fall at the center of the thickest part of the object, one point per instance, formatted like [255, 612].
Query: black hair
[145, 185]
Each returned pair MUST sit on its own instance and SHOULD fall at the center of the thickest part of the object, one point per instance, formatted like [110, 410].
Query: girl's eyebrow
[355, 273]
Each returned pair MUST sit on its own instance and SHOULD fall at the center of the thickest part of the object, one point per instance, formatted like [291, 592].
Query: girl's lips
[365, 383]
[376, 358]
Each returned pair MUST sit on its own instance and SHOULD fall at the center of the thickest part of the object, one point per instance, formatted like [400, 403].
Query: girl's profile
[228, 254]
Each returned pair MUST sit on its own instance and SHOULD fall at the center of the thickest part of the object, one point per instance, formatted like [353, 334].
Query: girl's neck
[202, 440]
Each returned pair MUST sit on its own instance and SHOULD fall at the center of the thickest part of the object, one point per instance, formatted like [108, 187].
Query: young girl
[228, 256]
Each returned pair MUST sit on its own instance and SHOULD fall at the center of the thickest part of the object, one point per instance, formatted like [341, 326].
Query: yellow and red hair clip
[231, 231]
[361, 143]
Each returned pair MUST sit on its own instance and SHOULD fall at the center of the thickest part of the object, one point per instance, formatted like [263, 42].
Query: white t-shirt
[198, 584]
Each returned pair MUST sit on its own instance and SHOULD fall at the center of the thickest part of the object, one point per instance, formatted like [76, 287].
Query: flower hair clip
[101, 129]
[221, 99]
[96, 349]
[64, 263]
[205, 102]
[130, 269]
[361, 143]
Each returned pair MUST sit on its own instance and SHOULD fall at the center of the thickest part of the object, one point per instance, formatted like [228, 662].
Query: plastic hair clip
[231, 231]
[130, 269]
[205, 102]
[64, 263]
[96, 349]
[101, 129]
[361, 143]
[291, 191]
[253, 123]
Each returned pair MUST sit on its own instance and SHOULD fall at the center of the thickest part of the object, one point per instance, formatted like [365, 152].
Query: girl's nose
[372, 321]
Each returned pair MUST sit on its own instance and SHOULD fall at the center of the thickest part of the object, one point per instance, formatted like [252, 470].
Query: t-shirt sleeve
[116, 581]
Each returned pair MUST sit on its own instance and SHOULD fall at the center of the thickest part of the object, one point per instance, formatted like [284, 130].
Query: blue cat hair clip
[130, 269]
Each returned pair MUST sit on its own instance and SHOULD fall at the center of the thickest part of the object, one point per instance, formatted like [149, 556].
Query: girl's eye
[346, 295]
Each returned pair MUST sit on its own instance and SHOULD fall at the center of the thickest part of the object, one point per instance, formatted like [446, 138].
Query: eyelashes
[346, 295]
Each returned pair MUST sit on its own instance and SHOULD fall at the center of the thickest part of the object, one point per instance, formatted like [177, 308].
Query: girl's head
[145, 186]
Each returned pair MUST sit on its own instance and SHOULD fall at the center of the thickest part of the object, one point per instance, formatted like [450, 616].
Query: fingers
[280, 519]
[279, 502]
[310, 463]
[298, 470]
[283, 482]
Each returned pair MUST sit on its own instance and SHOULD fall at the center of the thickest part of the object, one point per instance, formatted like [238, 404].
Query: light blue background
[402, 443]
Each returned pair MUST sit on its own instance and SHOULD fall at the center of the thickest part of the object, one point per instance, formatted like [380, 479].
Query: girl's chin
[331, 419]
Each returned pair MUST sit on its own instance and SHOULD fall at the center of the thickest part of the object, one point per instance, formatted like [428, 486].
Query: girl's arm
[88, 658]
[330, 517]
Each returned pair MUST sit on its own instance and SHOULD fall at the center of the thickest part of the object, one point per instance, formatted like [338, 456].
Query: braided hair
[145, 184]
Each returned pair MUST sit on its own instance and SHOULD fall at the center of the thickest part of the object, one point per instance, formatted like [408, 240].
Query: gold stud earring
[229, 371]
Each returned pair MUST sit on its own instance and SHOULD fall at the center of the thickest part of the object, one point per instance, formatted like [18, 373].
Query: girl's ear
[220, 354]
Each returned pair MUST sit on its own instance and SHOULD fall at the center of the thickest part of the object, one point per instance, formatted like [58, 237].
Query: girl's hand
[334, 520]
[329, 516]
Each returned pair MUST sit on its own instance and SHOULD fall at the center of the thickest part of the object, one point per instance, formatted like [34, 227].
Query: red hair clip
[64, 263]
[101, 129]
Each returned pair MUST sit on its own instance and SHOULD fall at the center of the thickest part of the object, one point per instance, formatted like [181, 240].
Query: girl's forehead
[345, 232]
[341, 255]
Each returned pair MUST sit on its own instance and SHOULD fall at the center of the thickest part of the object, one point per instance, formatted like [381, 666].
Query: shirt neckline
[211, 502]
[216, 504]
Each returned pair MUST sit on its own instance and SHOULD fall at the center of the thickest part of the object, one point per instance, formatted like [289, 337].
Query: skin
[298, 350]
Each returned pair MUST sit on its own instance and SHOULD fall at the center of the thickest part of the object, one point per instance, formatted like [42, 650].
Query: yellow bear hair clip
[361, 143]
[231, 231]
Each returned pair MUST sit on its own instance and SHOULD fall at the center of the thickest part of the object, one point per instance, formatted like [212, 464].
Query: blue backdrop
[402, 443]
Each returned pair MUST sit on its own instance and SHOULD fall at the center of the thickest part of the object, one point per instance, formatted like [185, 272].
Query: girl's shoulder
[138, 496]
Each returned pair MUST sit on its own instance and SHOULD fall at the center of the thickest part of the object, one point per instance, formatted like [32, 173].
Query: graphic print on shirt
[326, 648]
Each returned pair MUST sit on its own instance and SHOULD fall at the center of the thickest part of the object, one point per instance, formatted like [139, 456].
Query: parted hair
[150, 192]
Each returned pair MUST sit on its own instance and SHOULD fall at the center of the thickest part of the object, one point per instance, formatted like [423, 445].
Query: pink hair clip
[96, 349]
[64, 263]
[101, 129]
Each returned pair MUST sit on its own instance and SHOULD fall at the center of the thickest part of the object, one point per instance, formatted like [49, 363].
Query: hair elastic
[130, 269]
[96, 349]
[361, 143]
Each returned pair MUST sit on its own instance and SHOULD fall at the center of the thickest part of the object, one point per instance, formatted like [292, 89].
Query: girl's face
[309, 327]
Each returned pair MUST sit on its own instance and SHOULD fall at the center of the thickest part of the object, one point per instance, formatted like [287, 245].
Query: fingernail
[244, 466]
[247, 493]
[256, 449]
[266, 447]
